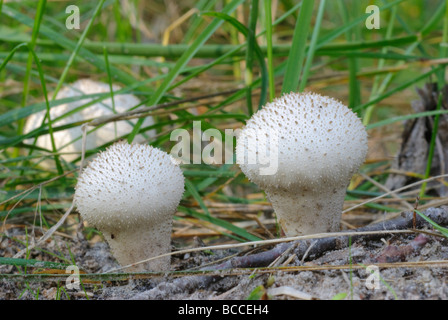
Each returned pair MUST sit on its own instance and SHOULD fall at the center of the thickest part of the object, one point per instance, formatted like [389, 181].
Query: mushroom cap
[314, 139]
[127, 186]
[65, 139]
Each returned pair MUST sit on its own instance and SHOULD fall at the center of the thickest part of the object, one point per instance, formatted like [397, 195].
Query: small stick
[414, 218]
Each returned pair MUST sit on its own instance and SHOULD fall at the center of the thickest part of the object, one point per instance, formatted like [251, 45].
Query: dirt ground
[417, 278]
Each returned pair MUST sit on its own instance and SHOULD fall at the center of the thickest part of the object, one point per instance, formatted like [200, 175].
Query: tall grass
[297, 46]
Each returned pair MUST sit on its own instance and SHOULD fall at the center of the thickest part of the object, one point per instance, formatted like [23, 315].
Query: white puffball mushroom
[65, 139]
[314, 145]
[130, 193]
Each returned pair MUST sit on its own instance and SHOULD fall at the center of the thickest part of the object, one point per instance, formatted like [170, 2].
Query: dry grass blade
[395, 191]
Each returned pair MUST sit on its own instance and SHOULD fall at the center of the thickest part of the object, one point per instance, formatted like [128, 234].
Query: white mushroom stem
[303, 211]
[132, 245]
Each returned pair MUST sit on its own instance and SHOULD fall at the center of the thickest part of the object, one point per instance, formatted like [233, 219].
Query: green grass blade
[375, 88]
[406, 117]
[361, 19]
[259, 55]
[251, 42]
[441, 229]
[297, 53]
[32, 263]
[241, 233]
[397, 89]
[432, 144]
[190, 187]
[183, 60]
[70, 45]
[268, 13]
[312, 46]
[38, 19]
[77, 48]
[215, 174]
[440, 85]
[47, 104]
[42, 82]
[351, 35]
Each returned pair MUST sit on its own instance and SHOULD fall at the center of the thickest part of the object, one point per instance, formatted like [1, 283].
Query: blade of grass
[351, 35]
[37, 21]
[375, 88]
[406, 117]
[312, 46]
[196, 21]
[251, 30]
[109, 77]
[440, 85]
[64, 42]
[258, 53]
[337, 32]
[47, 104]
[397, 89]
[241, 233]
[11, 55]
[77, 48]
[268, 18]
[297, 52]
[32, 263]
[190, 187]
[432, 144]
[183, 60]
[44, 89]
[441, 229]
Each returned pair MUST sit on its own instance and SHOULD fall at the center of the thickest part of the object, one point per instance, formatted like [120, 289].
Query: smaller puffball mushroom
[317, 144]
[130, 193]
[68, 141]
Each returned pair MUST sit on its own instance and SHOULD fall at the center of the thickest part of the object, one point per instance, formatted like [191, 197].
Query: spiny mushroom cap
[129, 185]
[317, 140]
[65, 140]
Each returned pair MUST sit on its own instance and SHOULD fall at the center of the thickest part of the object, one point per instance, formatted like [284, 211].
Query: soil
[317, 281]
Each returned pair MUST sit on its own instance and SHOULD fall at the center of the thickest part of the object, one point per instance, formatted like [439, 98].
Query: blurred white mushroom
[318, 144]
[130, 193]
[69, 141]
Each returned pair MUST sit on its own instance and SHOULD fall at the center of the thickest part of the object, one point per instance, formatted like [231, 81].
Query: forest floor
[406, 264]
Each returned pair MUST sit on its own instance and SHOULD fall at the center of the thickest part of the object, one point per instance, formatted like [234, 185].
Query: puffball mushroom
[130, 193]
[65, 140]
[318, 144]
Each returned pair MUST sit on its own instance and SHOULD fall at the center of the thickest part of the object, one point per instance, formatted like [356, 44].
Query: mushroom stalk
[301, 211]
[131, 245]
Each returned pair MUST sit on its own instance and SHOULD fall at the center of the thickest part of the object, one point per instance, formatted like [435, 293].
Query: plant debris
[313, 268]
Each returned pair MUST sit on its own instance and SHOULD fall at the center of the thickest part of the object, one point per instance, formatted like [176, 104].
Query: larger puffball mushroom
[69, 141]
[303, 149]
[130, 193]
